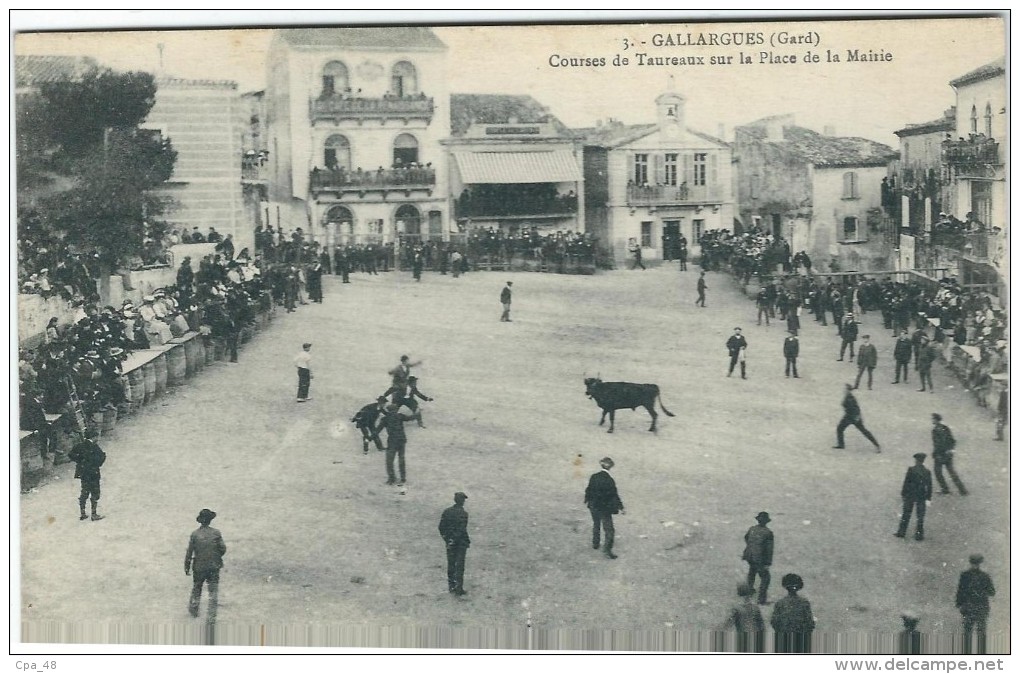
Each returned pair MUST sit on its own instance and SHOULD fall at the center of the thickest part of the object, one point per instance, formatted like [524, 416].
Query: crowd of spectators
[399, 174]
[47, 267]
[753, 252]
[503, 200]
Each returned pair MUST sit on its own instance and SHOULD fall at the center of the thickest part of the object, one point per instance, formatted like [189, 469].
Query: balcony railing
[976, 152]
[363, 181]
[668, 195]
[976, 245]
[338, 108]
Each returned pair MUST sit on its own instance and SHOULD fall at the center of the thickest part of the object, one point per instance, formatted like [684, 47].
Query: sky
[869, 99]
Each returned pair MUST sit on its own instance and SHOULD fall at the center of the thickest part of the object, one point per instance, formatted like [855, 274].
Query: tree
[84, 136]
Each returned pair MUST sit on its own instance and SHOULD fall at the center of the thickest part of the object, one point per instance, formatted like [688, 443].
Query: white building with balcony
[354, 119]
[652, 183]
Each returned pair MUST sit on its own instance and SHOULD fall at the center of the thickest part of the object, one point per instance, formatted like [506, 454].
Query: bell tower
[670, 110]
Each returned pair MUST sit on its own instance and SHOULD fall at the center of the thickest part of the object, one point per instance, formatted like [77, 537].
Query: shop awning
[557, 166]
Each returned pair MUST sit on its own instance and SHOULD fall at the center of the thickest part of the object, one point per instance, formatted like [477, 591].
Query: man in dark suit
[972, 599]
[852, 417]
[916, 492]
[849, 334]
[943, 444]
[901, 353]
[88, 457]
[763, 304]
[205, 557]
[453, 529]
[504, 299]
[791, 349]
[396, 441]
[758, 554]
[701, 291]
[603, 501]
[736, 345]
[867, 359]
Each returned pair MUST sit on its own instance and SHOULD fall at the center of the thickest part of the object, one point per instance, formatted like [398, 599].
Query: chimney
[722, 132]
[828, 130]
[774, 127]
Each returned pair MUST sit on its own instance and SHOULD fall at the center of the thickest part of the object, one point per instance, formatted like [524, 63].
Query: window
[404, 80]
[755, 186]
[640, 169]
[906, 153]
[646, 234]
[408, 220]
[435, 225]
[405, 150]
[851, 189]
[850, 229]
[700, 168]
[337, 153]
[973, 119]
[988, 119]
[334, 79]
[670, 178]
[699, 228]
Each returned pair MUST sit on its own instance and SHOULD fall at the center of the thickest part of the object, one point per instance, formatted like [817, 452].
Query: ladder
[76, 406]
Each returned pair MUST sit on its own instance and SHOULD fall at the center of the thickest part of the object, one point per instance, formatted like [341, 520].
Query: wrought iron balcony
[401, 179]
[670, 195]
[339, 108]
[977, 155]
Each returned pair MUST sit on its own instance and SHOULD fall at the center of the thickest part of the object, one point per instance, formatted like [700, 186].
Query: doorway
[671, 240]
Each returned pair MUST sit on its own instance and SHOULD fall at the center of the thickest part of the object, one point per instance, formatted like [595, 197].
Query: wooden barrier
[176, 365]
[149, 377]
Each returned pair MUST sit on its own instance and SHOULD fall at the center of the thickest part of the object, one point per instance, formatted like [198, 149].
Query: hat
[116, 351]
[763, 517]
[910, 617]
[606, 462]
[148, 298]
[306, 345]
[792, 581]
[206, 516]
[509, 283]
[936, 416]
[920, 456]
[976, 558]
[737, 328]
[866, 337]
[92, 353]
[460, 496]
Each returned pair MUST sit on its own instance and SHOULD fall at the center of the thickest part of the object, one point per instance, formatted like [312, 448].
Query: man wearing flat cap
[737, 346]
[972, 599]
[205, 557]
[453, 528]
[916, 493]
[759, 542]
[603, 501]
[504, 299]
[88, 458]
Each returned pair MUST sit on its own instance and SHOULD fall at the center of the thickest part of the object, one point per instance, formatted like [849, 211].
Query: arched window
[405, 150]
[343, 218]
[334, 79]
[973, 119]
[337, 154]
[405, 80]
[408, 220]
[988, 119]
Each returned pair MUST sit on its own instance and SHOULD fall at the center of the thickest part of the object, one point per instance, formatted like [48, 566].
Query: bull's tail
[658, 394]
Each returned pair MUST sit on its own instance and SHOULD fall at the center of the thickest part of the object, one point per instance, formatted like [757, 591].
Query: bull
[618, 395]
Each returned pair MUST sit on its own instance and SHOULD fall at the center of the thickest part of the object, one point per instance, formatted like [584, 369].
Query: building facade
[975, 168]
[354, 119]
[650, 184]
[202, 119]
[820, 192]
[512, 167]
[912, 193]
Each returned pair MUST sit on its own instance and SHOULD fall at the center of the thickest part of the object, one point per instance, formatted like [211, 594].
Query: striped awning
[556, 166]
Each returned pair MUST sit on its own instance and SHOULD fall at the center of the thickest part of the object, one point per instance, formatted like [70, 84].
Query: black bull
[619, 395]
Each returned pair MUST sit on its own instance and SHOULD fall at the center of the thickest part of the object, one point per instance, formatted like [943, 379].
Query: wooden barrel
[136, 379]
[199, 343]
[159, 365]
[176, 365]
[109, 419]
[149, 377]
[189, 357]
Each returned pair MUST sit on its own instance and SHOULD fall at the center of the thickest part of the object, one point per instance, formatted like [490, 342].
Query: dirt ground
[316, 539]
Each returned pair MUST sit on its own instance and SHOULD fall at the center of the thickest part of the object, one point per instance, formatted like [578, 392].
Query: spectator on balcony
[213, 236]
[226, 247]
[197, 236]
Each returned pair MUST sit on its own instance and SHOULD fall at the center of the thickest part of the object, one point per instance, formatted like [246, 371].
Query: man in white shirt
[303, 361]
